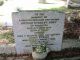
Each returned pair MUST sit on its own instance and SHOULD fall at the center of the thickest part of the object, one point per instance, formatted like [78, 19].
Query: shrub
[7, 36]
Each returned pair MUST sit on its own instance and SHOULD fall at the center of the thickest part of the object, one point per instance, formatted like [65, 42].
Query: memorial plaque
[32, 28]
[73, 4]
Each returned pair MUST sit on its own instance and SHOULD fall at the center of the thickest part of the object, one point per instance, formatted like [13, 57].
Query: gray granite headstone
[32, 28]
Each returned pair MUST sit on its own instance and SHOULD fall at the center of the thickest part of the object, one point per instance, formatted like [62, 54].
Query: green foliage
[1, 2]
[64, 9]
[61, 9]
[41, 48]
[7, 36]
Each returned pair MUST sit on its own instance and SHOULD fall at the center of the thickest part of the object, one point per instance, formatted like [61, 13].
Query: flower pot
[43, 55]
[39, 55]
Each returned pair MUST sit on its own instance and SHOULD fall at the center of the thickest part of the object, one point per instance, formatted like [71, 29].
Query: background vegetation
[8, 36]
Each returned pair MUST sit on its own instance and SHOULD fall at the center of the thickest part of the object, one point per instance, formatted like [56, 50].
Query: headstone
[79, 37]
[42, 1]
[1, 49]
[73, 3]
[32, 28]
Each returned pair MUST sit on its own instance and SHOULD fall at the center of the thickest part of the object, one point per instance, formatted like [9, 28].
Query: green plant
[8, 36]
[1, 2]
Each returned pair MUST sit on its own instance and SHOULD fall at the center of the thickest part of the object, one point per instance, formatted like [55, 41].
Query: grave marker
[32, 28]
